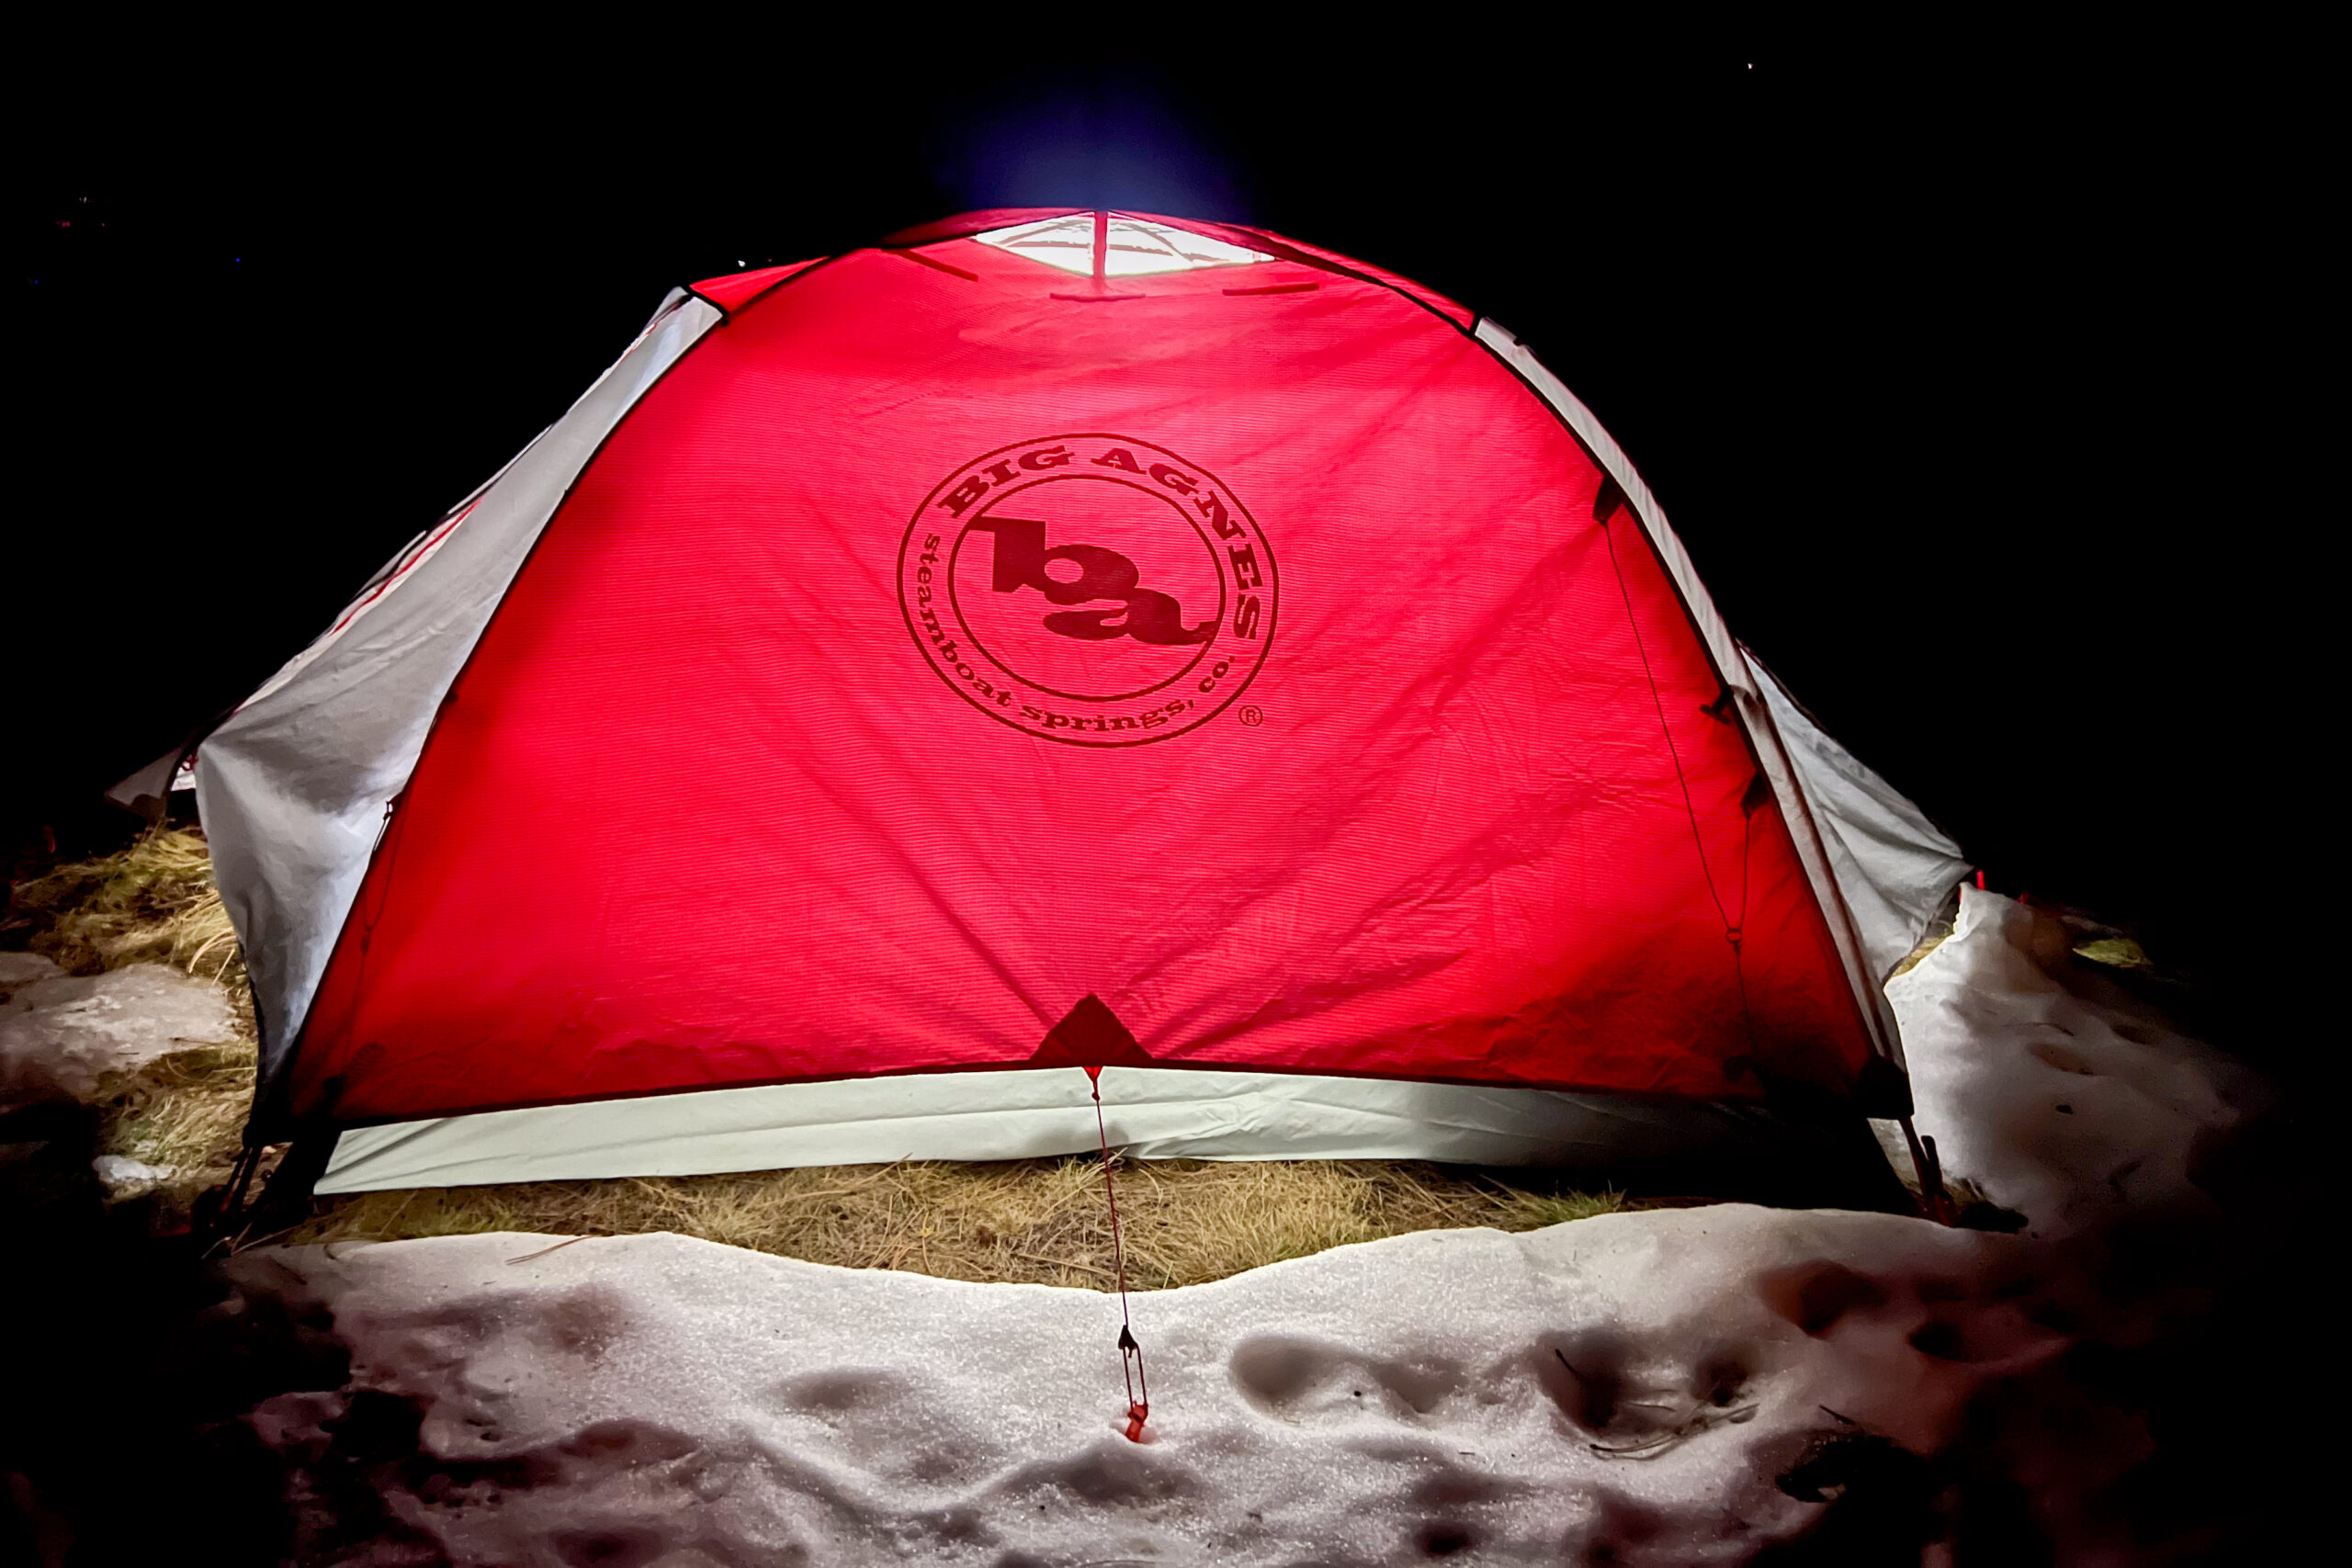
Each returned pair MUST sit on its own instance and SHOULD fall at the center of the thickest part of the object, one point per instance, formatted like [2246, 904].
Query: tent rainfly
[1043, 640]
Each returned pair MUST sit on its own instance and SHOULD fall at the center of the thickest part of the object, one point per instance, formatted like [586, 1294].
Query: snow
[60, 1033]
[1507, 1398]
[120, 1174]
[1677, 1387]
[18, 970]
[2050, 1087]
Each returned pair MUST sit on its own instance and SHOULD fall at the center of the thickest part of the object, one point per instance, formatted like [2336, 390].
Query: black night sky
[1940, 357]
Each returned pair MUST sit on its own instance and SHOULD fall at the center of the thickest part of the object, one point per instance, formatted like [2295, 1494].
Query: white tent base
[1151, 1113]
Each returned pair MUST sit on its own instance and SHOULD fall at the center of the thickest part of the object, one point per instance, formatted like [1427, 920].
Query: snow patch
[2048, 1085]
[1636, 1382]
[121, 1175]
[18, 970]
[61, 1033]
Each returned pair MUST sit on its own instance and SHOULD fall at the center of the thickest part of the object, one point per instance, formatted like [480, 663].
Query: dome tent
[1049, 638]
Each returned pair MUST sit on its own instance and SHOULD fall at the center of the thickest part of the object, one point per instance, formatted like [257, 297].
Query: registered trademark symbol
[1252, 715]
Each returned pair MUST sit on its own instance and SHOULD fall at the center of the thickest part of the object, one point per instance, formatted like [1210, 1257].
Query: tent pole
[219, 1210]
[1929, 1170]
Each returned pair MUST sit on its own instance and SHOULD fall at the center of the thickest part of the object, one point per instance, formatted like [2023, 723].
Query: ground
[2112, 1379]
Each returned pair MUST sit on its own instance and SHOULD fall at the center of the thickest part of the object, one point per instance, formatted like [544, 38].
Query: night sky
[1937, 355]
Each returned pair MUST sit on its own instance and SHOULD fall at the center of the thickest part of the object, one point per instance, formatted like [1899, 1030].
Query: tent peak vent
[1132, 247]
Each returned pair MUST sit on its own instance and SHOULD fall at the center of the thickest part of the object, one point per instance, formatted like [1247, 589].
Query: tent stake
[1929, 1169]
[219, 1210]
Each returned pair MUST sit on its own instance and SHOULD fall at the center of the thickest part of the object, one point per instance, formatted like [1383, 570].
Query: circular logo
[1093, 590]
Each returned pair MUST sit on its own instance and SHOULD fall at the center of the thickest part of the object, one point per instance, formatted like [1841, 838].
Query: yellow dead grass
[185, 1112]
[1038, 1220]
[2115, 952]
[155, 902]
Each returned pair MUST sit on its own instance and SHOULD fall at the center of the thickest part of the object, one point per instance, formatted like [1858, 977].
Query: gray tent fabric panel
[1027, 1113]
[1894, 866]
[294, 787]
[146, 791]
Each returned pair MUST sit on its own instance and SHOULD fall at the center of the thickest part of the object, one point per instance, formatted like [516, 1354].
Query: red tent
[1053, 639]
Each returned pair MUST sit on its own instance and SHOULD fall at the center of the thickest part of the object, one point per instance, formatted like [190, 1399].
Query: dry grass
[2115, 952]
[185, 1112]
[155, 902]
[1038, 1220]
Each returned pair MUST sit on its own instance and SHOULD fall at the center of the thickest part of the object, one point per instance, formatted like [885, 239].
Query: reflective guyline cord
[1130, 1353]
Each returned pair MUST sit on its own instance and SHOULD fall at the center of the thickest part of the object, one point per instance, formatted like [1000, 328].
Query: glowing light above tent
[1136, 248]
